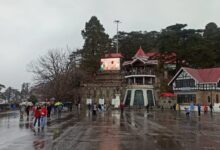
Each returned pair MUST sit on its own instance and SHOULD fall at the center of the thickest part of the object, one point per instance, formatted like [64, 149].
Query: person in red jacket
[121, 107]
[43, 116]
[37, 115]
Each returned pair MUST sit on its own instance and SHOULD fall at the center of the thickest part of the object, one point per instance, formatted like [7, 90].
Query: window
[128, 98]
[185, 83]
[150, 98]
[139, 81]
[218, 84]
[138, 98]
[217, 99]
[209, 99]
[186, 98]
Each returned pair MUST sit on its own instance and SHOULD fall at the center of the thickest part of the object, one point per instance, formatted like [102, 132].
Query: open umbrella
[52, 99]
[29, 104]
[23, 103]
[58, 103]
[167, 94]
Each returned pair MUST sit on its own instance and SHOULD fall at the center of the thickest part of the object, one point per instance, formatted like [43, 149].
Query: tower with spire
[140, 77]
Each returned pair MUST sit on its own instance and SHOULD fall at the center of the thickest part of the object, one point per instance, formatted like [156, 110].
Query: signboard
[113, 101]
[88, 101]
[101, 101]
[110, 64]
[116, 103]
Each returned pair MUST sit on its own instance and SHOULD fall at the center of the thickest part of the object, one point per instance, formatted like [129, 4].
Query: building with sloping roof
[197, 85]
[140, 75]
[133, 80]
[107, 82]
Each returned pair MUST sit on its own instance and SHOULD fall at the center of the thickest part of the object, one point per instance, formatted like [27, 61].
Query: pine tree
[97, 43]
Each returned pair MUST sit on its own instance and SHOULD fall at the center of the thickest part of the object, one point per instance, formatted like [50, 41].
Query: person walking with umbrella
[59, 106]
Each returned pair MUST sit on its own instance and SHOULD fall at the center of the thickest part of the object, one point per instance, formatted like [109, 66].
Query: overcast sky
[28, 28]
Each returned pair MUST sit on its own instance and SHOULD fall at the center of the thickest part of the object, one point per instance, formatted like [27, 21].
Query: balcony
[139, 72]
[140, 81]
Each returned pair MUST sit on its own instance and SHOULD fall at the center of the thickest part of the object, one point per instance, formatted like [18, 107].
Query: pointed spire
[140, 53]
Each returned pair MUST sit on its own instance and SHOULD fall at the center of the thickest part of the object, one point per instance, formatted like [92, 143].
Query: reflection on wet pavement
[157, 130]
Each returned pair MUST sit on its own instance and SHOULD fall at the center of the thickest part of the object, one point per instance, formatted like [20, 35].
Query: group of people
[191, 108]
[39, 113]
[94, 107]
[102, 107]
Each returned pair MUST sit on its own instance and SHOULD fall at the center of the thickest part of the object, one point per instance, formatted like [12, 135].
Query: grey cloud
[28, 28]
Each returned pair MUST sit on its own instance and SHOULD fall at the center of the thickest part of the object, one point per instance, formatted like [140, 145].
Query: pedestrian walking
[177, 106]
[205, 108]
[94, 109]
[174, 107]
[191, 106]
[99, 107]
[37, 115]
[59, 110]
[147, 107]
[211, 107]
[187, 112]
[121, 107]
[71, 106]
[89, 107]
[78, 106]
[27, 109]
[43, 116]
[102, 107]
[22, 111]
[49, 107]
[13, 107]
[199, 109]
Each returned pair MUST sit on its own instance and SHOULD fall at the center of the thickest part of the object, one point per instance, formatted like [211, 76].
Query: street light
[117, 22]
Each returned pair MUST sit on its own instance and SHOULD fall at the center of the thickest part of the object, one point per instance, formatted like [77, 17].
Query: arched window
[209, 99]
[218, 84]
[217, 99]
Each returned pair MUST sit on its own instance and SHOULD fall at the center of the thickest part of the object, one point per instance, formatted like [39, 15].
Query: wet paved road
[111, 131]
[18, 134]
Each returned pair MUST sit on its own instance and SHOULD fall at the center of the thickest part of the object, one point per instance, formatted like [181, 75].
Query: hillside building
[197, 85]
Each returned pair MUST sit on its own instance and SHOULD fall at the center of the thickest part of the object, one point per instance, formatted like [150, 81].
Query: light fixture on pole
[117, 22]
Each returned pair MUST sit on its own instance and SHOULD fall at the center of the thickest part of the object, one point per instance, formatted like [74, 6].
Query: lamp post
[117, 22]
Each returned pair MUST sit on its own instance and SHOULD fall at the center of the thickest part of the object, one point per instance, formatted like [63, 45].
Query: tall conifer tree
[97, 43]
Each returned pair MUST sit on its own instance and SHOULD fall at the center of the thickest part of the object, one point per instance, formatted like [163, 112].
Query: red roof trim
[113, 55]
[208, 75]
[140, 53]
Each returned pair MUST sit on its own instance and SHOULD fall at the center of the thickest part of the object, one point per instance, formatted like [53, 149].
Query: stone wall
[208, 96]
[105, 86]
